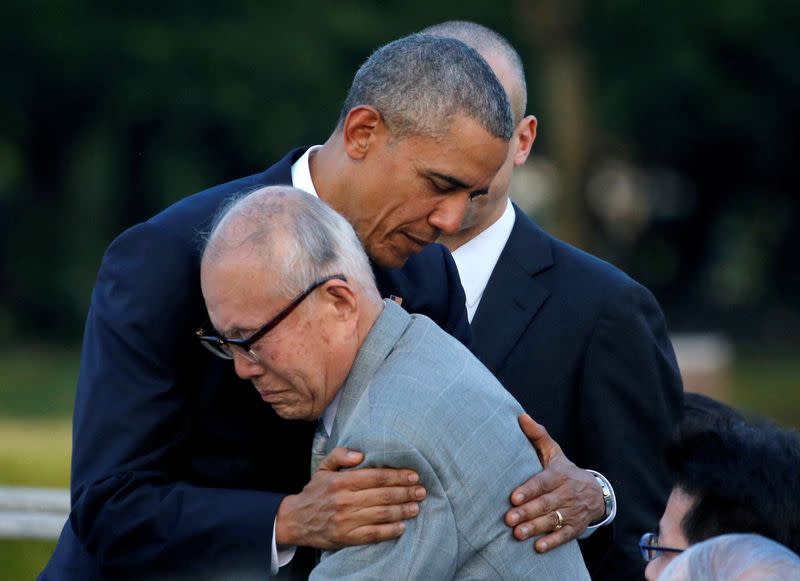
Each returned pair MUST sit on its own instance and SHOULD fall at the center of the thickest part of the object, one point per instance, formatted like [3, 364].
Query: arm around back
[136, 510]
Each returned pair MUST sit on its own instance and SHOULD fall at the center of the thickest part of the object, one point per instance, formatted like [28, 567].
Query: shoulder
[572, 272]
[431, 382]
[183, 224]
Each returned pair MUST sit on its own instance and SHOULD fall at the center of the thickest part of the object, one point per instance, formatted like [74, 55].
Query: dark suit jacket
[584, 349]
[178, 466]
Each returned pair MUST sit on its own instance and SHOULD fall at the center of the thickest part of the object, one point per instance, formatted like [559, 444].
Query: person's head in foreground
[730, 476]
[283, 256]
[424, 128]
[734, 557]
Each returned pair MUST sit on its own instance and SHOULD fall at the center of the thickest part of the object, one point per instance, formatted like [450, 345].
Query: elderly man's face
[670, 531]
[302, 361]
[412, 189]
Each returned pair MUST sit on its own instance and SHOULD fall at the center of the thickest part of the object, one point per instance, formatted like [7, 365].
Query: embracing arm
[136, 507]
[132, 507]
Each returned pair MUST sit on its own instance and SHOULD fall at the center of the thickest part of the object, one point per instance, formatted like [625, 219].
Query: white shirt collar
[476, 259]
[301, 172]
[330, 412]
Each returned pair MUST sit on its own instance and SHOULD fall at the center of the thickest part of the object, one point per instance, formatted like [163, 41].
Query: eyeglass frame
[645, 548]
[219, 345]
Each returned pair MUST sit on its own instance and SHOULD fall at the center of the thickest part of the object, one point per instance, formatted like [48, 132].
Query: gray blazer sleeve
[428, 549]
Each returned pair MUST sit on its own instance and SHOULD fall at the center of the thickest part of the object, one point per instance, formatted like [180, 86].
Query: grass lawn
[37, 386]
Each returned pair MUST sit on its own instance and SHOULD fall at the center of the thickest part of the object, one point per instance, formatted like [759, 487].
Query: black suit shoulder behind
[585, 350]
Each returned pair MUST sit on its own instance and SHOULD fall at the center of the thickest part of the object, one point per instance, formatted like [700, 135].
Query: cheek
[657, 566]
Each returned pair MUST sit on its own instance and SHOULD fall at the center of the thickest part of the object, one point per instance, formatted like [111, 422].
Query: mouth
[418, 243]
[270, 396]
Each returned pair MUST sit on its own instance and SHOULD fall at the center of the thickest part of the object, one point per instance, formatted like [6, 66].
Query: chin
[290, 413]
[392, 261]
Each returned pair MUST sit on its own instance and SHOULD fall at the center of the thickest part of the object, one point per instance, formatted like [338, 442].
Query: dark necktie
[318, 446]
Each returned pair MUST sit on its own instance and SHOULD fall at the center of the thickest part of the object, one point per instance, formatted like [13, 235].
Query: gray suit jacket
[416, 398]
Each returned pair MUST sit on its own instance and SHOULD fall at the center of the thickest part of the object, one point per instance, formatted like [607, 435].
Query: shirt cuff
[610, 512]
[282, 556]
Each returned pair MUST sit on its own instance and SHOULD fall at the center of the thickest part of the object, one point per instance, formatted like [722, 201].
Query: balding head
[734, 557]
[295, 236]
[497, 51]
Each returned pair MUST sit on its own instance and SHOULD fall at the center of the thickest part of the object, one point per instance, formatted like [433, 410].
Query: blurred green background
[668, 142]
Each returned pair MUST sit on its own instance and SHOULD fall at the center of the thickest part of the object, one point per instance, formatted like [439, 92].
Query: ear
[362, 124]
[340, 297]
[524, 136]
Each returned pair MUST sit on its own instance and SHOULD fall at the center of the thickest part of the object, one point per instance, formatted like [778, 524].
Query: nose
[245, 368]
[449, 213]
[651, 572]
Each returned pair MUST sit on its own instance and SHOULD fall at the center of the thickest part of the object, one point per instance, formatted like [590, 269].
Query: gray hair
[420, 82]
[295, 234]
[487, 41]
[734, 557]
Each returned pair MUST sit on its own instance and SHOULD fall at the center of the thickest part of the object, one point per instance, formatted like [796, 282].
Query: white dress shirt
[476, 259]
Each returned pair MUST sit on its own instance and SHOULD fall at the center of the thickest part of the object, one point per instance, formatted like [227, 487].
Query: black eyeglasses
[224, 347]
[650, 549]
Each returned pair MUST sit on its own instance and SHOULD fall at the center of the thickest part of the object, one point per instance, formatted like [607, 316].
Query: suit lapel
[513, 295]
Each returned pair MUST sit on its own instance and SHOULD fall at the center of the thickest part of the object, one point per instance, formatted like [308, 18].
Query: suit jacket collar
[513, 295]
[281, 172]
[381, 340]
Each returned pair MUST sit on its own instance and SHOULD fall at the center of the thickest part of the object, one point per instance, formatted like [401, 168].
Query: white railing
[32, 513]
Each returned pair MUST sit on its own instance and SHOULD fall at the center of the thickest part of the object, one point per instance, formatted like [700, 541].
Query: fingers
[545, 481]
[532, 429]
[546, 447]
[365, 478]
[341, 508]
[340, 458]
[387, 514]
[563, 487]
[545, 523]
[375, 533]
[556, 539]
[534, 509]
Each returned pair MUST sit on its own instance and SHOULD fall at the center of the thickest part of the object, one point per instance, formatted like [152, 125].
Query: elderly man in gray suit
[379, 380]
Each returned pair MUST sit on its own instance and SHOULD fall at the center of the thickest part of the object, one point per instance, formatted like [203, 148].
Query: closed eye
[442, 188]
[478, 194]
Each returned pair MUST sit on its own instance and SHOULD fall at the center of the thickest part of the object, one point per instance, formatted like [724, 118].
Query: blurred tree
[109, 112]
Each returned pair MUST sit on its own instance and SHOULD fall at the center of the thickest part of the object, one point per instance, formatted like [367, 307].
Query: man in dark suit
[583, 347]
[179, 469]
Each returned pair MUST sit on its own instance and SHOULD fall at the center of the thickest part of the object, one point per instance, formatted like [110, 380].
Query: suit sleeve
[428, 549]
[130, 510]
[631, 376]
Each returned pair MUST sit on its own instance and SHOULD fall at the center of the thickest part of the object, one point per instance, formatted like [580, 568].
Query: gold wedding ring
[559, 519]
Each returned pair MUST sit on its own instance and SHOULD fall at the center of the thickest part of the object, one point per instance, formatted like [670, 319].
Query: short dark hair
[420, 82]
[744, 477]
